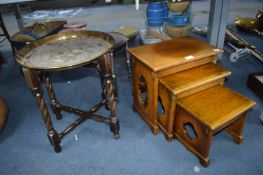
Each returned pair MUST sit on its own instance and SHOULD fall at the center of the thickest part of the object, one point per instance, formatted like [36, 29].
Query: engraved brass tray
[65, 50]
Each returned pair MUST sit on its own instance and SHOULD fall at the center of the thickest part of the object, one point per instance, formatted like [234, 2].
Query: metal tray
[65, 50]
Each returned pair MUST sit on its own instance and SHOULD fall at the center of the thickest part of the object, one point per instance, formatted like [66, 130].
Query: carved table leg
[114, 76]
[55, 106]
[236, 128]
[103, 94]
[114, 81]
[105, 66]
[32, 79]
[128, 61]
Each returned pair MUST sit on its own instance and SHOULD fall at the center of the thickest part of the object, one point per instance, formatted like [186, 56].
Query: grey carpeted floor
[90, 149]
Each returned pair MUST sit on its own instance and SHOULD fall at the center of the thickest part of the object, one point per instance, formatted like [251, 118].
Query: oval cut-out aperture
[190, 130]
[143, 91]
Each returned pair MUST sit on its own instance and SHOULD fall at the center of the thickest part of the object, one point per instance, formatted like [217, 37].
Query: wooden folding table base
[34, 78]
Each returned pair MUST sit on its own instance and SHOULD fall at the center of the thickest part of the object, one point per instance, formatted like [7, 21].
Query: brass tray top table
[68, 51]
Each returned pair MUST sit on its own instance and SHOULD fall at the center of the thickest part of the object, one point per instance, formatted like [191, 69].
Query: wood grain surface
[167, 54]
[216, 107]
[3, 113]
[192, 78]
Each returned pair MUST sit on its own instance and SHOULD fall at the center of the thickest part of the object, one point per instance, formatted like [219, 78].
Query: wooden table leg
[114, 81]
[55, 106]
[128, 61]
[105, 66]
[2, 59]
[114, 76]
[103, 94]
[3, 113]
[18, 15]
[33, 81]
[236, 128]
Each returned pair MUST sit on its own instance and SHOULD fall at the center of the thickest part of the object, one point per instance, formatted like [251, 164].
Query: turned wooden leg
[55, 106]
[236, 128]
[103, 93]
[105, 66]
[114, 81]
[2, 59]
[128, 61]
[114, 77]
[33, 81]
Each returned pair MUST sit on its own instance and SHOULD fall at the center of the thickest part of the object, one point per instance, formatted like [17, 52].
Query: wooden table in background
[17, 11]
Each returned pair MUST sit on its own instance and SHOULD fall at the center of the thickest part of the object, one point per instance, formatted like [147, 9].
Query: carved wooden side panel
[197, 140]
[166, 120]
[145, 91]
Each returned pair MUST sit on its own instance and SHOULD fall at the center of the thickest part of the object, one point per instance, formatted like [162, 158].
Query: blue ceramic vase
[155, 14]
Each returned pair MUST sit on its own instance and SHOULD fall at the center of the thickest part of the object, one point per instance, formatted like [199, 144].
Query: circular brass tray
[65, 50]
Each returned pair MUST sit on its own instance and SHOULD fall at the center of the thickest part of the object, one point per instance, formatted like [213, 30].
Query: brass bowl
[129, 32]
[247, 24]
[178, 6]
[177, 32]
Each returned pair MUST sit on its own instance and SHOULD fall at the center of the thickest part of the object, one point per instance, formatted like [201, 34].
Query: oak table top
[170, 53]
[189, 79]
[216, 106]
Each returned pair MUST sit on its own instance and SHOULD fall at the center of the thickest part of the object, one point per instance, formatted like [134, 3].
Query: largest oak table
[64, 51]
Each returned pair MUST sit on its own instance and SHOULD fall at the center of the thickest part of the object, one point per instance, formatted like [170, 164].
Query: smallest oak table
[64, 51]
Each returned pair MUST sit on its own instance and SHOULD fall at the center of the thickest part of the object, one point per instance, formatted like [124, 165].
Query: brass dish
[129, 32]
[23, 56]
[247, 24]
[178, 6]
[177, 32]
